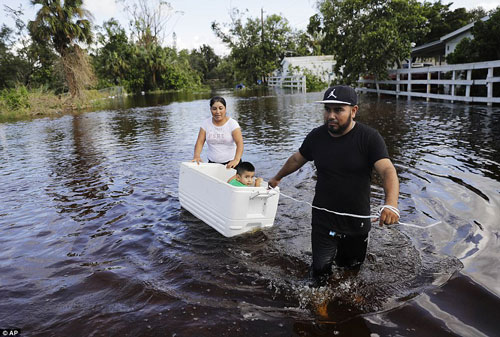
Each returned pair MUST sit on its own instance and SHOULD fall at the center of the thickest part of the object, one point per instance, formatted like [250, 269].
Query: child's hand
[258, 182]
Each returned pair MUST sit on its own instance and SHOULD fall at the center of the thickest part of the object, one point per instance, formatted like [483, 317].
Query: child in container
[245, 173]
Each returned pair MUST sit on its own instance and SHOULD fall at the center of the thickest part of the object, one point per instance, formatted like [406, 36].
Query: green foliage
[178, 73]
[10, 64]
[257, 47]
[141, 67]
[367, 36]
[441, 20]
[159, 68]
[315, 31]
[62, 26]
[43, 67]
[15, 98]
[225, 72]
[304, 45]
[465, 52]
[32, 64]
[177, 77]
[134, 84]
[204, 61]
[313, 82]
[485, 46]
[55, 22]
[34, 75]
[113, 59]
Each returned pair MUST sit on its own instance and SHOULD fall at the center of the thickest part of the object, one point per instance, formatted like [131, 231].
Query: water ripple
[94, 239]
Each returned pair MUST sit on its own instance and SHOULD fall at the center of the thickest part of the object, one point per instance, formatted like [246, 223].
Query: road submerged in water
[94, 241]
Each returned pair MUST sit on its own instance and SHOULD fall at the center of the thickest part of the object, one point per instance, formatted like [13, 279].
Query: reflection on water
[94, 240]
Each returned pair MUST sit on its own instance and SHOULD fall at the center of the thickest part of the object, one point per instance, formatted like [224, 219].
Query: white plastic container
[231, 210]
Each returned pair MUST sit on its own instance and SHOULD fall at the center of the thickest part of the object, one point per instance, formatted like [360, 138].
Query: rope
[381, 208]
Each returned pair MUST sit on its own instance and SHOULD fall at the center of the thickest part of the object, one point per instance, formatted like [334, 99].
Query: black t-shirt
[344, 166]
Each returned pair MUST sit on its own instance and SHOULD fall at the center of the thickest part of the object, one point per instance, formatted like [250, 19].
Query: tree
[63, 26]
[441, 20]
[44, 68]
[225, 72]
[149, 20]
[257, 46]
[112, 61]
[14, 69]
[179, 74]
[204, 60]
[156, 60]
[369, 36]
[309, 42]
[35, 64]
[10, 64]
[304, 44]
[485, 46]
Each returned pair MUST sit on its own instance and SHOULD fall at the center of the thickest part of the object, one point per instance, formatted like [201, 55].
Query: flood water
[94, 241]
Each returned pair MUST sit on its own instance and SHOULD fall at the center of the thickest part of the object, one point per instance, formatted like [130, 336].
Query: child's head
[245, 172]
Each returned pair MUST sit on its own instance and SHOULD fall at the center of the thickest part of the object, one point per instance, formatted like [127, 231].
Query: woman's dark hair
[217, 99]
[244, 166]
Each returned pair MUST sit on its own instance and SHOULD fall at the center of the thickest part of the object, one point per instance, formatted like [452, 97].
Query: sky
[191, 20]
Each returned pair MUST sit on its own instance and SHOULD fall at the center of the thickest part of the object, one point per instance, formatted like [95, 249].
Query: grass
[21, 103]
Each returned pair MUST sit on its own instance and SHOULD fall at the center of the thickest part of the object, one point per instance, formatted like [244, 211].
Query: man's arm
[293, 163]
[390, 182]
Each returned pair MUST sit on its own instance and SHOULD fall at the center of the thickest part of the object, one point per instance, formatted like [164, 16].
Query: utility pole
[262, 23]
[263, 79]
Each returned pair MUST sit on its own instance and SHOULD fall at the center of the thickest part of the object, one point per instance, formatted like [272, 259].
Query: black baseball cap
[340, 94]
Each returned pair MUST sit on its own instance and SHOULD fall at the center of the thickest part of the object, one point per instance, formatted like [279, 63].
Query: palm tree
[63, 25]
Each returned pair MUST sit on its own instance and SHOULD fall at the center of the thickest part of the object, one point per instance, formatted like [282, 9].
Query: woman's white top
[221, 145]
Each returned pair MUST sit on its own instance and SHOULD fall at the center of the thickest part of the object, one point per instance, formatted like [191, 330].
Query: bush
[176, 77]
[15, 98]
[313, 82]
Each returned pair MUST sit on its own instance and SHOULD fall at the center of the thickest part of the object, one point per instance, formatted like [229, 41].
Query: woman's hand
[199, 146]
[232, 164]
[258, 182]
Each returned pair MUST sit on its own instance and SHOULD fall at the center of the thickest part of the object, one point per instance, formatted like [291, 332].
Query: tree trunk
[154, 78]
[68, 64]
[77, 70]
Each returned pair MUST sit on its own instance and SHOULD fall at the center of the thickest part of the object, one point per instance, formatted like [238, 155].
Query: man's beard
[340, 128]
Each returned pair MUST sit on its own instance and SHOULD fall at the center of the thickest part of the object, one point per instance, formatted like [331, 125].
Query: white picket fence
[113, 92]
[428, 81]
[298, 82]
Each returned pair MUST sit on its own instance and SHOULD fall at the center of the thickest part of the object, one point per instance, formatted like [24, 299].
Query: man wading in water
[344, 152]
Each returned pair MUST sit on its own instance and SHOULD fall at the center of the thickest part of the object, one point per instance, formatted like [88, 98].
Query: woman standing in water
[223, 136]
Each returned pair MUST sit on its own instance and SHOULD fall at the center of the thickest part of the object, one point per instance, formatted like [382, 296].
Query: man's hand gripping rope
[386, 214]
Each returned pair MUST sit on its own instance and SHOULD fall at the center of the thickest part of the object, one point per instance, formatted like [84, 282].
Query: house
[321, 66]
[435, 52]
